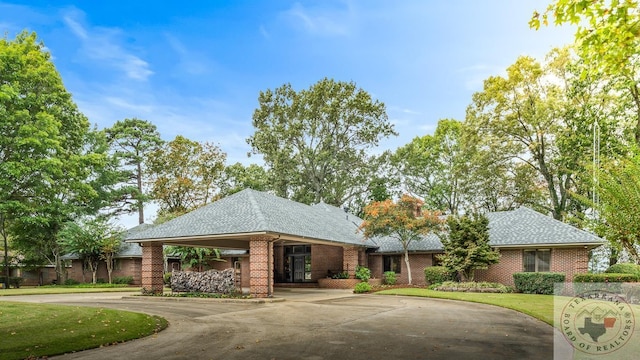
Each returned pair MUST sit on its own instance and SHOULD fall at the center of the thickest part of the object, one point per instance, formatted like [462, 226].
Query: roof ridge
[262, 221]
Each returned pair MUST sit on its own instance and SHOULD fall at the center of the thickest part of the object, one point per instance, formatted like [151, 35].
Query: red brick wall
[152, 268]
[325, 258]
[417, 262]
[569, 261]
[261, 281]
[502, 272]
[350, 257]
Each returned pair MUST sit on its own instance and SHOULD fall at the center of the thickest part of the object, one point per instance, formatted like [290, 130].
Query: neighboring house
[282, 241]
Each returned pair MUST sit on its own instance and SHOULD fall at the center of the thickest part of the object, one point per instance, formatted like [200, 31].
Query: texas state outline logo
[597, 322]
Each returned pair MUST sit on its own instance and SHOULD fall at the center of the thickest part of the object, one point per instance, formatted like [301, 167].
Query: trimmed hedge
[624, 268]
[390, 278]
[608, 281]
[537, 282]
[362, 287]
[437, 275]
[123, 280]
[606, 277]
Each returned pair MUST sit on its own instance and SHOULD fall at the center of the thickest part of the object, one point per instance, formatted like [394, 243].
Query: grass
[539, 306]
[63, 289]
[62, 329]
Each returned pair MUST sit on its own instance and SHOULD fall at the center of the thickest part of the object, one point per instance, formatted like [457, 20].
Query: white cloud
[103, 45]
[323, 21]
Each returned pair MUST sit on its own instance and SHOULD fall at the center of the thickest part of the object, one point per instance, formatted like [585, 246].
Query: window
[392, 263]
[537, 260]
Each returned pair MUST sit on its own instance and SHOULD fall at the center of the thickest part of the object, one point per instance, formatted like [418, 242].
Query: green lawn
[42, 290]
[539, 306]
[64, 329]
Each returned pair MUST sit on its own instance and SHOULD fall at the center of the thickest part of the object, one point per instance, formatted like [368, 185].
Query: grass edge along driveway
[539, 306]
[46, 290]
[63, 329]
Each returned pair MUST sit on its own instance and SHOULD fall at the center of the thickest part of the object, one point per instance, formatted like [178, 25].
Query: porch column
[350, 260]
[261, 266]
[152, 268]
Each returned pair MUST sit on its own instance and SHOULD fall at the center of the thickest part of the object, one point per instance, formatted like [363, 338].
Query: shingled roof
[251, 211]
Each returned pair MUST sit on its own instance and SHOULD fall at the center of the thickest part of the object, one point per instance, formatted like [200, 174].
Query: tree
[238, 177]
[132, 140]
[529, 118]
[619, 192]
[185, 174]
[42, 166]
[466, 246]
[316, 141]
[436, 167]
[83, 240]
[110, 245]
[404, 221]
[607, 38]
[194, 257]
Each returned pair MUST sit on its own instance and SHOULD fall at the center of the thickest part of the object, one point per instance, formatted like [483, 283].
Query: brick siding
[350, 256]
[325, 258]
[261, 281]
[152, 268]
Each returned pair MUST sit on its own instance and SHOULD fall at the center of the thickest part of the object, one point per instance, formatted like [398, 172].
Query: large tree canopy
[185, 174]
[316, 141]
[44, 165]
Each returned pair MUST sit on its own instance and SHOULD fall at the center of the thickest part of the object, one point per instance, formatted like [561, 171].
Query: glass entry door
[298, 268]
[297, 260]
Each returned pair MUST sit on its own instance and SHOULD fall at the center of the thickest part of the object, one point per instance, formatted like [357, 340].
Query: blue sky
[195, 68]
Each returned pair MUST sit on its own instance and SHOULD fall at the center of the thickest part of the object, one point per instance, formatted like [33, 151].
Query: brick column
[261, 266]
[350, 260]
[152, 268]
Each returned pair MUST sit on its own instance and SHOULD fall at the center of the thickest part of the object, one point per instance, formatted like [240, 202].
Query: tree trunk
[140, 202]
[7, 271]
[406, 261]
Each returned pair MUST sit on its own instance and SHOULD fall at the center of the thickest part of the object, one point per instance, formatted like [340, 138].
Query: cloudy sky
[195, 68]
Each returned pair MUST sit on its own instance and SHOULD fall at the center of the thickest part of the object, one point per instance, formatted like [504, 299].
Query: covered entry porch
[273, 259]
[286, 241]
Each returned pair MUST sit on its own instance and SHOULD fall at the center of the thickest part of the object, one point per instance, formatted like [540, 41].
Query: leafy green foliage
[363, 273]
[404, 221]
[607, 39]
[473, 286]
[123, 280]
[605, 277]
[437, 167]
[437, 275]
[316, 141]
[238, 177]
[12, 281]
[624, 268]
[362, 287]
[340, 275]
[390, 278]
[466, 246]
[537, 282]
[69, 282]
[194, 257]
[185, 174]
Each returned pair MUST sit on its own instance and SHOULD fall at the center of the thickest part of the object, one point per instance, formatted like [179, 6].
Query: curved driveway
[320, 324]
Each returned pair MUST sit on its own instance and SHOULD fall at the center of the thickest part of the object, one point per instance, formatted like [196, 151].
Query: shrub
[341, 275]
[624, 268]
[473, 286]
[71, 282]
[13, 281]
[537, 282]
[437, 274]
[167, 278]
[608, 281]
[390, 278]
[362, 287]
[363, 273]
[101, 281]
[124, 280]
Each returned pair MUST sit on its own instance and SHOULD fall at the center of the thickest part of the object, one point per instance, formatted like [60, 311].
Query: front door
[298, 268]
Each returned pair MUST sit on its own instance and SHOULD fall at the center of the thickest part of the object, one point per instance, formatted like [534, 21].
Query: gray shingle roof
[519, 227]
[524, 226]
[250, 211]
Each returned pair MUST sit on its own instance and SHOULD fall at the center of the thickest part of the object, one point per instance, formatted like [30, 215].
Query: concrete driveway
[321, 324]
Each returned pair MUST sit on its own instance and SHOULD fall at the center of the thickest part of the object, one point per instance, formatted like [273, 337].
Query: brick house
[279, 241]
